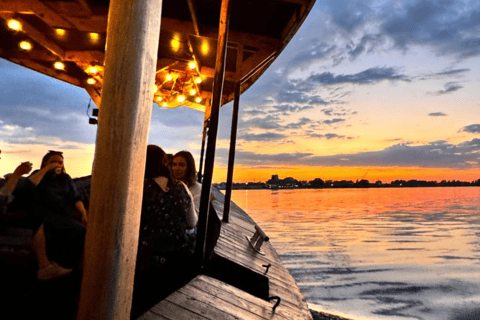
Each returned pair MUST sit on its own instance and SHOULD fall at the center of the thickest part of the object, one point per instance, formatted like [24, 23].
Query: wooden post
[231, 154]
[117, 184]
[212, 132]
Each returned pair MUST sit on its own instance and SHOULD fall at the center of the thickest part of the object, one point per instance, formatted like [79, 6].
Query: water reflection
[410, 253]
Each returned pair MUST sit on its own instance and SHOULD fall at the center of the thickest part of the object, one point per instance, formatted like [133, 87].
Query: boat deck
[208, 298]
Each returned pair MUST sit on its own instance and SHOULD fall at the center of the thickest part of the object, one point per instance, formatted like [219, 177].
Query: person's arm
[11, 183]
[81, 210]
[191, 217]
[37, 177]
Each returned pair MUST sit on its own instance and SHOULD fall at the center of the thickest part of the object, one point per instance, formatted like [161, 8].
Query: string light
[198, 99]
[59, 65]
[14, 25]
[60, 32]
[155, 88]
[198, 80]
[193, 92]
[92, 70]
[175, 43]
[181, 98]
[91, 81]
[192, 65]
[94, 36]
[205, 47]
[164, 104]
[25, 45]
[169, 77]
[159, 99]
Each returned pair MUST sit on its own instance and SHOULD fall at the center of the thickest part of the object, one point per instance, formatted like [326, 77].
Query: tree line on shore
[317, 183]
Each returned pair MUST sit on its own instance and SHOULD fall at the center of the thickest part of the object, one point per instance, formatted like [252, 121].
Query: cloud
[327, 136]
[269, 136]
[473, 128]
[437, 114]
[449, 88]
[369, 76]
[437, 154]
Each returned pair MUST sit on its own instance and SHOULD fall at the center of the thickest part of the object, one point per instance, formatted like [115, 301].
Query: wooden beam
[250, 39]
[36, 35]
[60, 75]
[193, 13]
[119, 166]
[210, 73]
[85, 56]
[94, 94]
[34, 7]
[253, 61]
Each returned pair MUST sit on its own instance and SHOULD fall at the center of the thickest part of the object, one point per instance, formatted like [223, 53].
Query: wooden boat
[127, 54]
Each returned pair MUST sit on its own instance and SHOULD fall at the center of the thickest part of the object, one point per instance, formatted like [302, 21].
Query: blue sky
[363, 84]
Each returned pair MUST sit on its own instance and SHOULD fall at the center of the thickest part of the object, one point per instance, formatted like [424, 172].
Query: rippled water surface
[393, 253]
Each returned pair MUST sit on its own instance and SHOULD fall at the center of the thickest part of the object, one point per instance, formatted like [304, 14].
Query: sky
[376, 90]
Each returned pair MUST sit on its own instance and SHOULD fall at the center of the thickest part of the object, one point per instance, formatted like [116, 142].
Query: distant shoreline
[236, 187]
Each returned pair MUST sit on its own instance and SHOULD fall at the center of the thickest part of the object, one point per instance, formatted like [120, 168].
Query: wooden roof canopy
[66, 40]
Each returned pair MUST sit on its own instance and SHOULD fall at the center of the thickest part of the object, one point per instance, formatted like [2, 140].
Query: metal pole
[231, 155]
[212, 132]
[202, 152]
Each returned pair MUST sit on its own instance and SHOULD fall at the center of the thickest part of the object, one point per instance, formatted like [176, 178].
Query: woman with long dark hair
[183, 167]
[164, 247]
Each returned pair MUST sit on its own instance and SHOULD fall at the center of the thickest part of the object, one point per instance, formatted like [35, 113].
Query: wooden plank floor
[208, 298]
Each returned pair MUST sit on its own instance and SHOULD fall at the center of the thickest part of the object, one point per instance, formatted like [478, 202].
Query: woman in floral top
[164, 246]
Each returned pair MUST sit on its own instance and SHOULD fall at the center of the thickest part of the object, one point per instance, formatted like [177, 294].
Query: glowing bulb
[205, 48]
[181, 98]
[59, 65]
[192, 65]
[198, 99]
[155, 88]
[60, 32]
[193, 92]
[198, 80]
[14, 25]
[169, 77]
[92, 70]
[25, 45]
[175, 44]
[164, 104]
[91, 81]
[94, 36]
[159, 99]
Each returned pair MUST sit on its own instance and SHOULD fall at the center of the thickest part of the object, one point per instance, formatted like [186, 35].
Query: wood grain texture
[117, 183]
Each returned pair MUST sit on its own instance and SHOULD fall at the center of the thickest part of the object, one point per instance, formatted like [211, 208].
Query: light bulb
[91, 81]
[181, 98]
[198, 99]
[193, 92]
[25, 45]
[192, 65]
[14, 25]
[59, 65]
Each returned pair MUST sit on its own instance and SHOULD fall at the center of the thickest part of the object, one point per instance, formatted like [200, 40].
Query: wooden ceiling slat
[36, 35]
[48, 71]
[90, 57]
[252, 40]
[193, 13]
[35, 7]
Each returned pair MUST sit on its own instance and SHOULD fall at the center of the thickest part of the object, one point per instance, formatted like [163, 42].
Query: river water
[391, 253]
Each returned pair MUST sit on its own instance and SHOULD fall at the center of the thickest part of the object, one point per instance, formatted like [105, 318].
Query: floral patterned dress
[163, 235]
